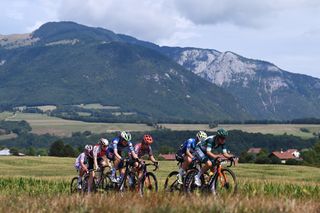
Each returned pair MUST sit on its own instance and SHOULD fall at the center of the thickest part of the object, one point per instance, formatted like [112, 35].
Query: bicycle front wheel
[149, 184]
[74, 185]
[171, 184]
[225, 183]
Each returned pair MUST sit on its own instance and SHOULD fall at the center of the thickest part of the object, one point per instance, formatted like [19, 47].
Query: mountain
[68, 63]
[265, 90]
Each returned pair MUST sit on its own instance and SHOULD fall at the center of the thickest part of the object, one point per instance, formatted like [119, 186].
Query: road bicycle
[221, 181]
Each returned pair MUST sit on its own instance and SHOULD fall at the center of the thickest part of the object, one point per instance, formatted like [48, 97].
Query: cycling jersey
[98, 151]
[189, 145]
[207, 146]
[81, 158]
[116, 145]
[141, 152]
[210, 143]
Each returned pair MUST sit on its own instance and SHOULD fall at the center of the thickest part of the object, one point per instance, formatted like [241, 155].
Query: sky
[283, 32]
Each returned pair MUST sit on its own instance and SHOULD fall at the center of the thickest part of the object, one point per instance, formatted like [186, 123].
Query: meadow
[41, 184]
[42, 124]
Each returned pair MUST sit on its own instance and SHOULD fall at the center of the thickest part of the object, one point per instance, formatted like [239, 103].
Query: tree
[57, 149]
[31, 151]
[14, 151]
[69, 151]
[247, 157]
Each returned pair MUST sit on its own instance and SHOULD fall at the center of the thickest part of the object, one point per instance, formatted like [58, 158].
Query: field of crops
[42, 124]
[42, 184]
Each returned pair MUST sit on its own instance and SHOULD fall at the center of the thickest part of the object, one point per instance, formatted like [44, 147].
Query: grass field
[276, 129]
[42, 124]
[33, 184]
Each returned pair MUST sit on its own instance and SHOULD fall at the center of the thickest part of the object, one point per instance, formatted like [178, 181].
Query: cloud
[244, 13]
[146, 19]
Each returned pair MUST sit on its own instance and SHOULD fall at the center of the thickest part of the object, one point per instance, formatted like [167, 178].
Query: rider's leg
[116, 163]
[184, 167]
[90, 182]
[205, 168]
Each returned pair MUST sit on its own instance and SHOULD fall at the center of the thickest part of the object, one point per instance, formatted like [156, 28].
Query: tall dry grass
[160, 202]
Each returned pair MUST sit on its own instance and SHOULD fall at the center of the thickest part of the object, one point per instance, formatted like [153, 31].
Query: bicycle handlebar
[231, 160]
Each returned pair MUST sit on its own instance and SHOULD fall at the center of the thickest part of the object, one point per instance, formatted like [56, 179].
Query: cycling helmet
[88, 148]
[104, 142]
[125, 135]
[201, 135]
[222, 133]
[147, 139]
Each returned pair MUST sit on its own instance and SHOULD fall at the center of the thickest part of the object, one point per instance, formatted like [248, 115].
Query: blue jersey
[116, 145]
[189, 145]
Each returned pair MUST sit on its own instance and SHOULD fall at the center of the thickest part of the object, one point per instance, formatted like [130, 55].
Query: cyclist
[81, 162]
[115, 150]
[97, 158]
[144, 148]
[205, 155]
[186, 151]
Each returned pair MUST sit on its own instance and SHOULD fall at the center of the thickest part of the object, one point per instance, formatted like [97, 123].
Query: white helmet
[126, 136]
[104, 142]
[201, 135]
[88, 147]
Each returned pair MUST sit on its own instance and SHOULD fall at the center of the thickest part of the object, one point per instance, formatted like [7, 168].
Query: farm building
[5, 152]
[286, 155]
[254, 150]
[168, 156]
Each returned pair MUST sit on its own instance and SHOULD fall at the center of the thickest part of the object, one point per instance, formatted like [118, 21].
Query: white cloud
[248, 13]
[147, 19]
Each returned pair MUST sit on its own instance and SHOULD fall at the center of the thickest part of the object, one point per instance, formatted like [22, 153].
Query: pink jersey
[141, 152]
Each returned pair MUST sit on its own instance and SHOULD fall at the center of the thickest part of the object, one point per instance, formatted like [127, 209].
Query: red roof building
[168, 156]
[284, 156]
[254, 150]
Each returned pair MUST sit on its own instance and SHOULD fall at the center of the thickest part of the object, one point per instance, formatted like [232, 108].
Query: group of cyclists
[198, 149]
[95, 157]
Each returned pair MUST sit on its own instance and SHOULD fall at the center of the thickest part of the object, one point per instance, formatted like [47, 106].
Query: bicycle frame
[218, 175]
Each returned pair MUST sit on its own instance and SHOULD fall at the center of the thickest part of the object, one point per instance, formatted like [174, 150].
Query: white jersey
[80, 158]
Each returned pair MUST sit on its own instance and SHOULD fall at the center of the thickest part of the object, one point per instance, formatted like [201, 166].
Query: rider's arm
[83, 166]
[82, 158]
[131, 150]
[189, 153]
[117, 154]
[211, 155]
[95, 154]
[152, 158]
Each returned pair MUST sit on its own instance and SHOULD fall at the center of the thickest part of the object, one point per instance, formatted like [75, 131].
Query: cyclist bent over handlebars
[115, 149]
[204, 152]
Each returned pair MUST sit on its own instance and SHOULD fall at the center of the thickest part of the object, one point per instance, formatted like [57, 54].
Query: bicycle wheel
[189, 182]
[225, 183]
[148, 184]
[74, 186]
[171, 184]
[109, 186]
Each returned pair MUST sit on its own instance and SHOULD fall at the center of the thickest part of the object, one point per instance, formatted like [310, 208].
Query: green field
[42, 124]
[27, 183]
[275, 129]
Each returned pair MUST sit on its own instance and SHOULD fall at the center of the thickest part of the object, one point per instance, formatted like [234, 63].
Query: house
[284, 156]
[254, 150]
[5, 152]
[168, 156]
